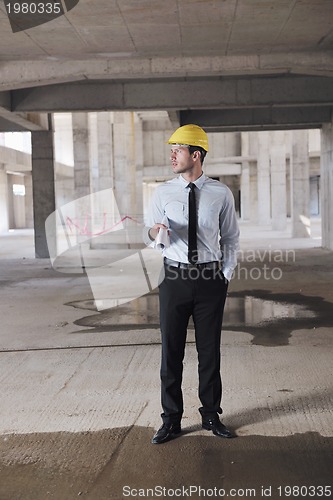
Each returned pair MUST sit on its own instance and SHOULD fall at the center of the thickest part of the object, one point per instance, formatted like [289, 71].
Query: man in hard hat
[203, 230]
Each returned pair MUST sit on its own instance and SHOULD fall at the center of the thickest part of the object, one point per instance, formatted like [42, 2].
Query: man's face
[181, 160]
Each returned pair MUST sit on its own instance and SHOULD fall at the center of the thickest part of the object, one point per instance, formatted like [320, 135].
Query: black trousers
[201, 294]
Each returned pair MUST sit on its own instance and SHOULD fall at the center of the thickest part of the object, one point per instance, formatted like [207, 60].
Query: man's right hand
[153, 231]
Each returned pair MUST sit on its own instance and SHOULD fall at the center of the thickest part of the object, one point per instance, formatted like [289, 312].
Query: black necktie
[192, 226]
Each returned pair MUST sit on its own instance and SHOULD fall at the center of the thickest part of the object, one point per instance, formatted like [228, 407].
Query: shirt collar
[199, 182]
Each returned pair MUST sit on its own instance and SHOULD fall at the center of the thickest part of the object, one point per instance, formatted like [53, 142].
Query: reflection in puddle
[270, 318]
[252, 311]
[239, 311]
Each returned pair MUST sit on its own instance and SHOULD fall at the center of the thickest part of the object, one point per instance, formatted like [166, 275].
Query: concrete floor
[80, 388]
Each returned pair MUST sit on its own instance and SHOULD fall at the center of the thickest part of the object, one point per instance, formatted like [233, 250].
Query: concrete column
[10, 202]
[43, 186]
[29, 215]
[82, 174]
[245, 178]
[138, 160]
[4, 226]
[124, 163]
[300, 184]
[278, 181]
[326, 185]
[263, 179]
[18, 204]
[104, 154]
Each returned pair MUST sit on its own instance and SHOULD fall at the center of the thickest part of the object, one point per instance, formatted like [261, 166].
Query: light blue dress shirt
[217, 233]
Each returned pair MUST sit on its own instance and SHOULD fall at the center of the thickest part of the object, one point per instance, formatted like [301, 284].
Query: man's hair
[202, 152]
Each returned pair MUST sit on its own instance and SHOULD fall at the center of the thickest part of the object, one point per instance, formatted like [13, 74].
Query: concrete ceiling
[225, 63]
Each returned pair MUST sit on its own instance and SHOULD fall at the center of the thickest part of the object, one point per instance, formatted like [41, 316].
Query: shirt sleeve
[229, 232]
[155, 216]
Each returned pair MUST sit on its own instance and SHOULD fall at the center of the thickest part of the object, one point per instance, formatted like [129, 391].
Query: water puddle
[270, 318]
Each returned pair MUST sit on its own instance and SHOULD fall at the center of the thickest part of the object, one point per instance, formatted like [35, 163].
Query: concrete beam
[214, 170]
[18, 122]
[272, 118]
[10, 126]
[5, 100]
[219, 93]
[15, 160]
[20, 74]
[174, 117]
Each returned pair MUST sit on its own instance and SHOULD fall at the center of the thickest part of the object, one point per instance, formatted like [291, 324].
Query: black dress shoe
[214, 425]
[166, 432]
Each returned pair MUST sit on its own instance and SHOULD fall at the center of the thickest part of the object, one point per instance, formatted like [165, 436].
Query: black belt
[184, 265]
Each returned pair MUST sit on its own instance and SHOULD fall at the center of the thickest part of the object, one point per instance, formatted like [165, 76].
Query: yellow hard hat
[191, 135]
